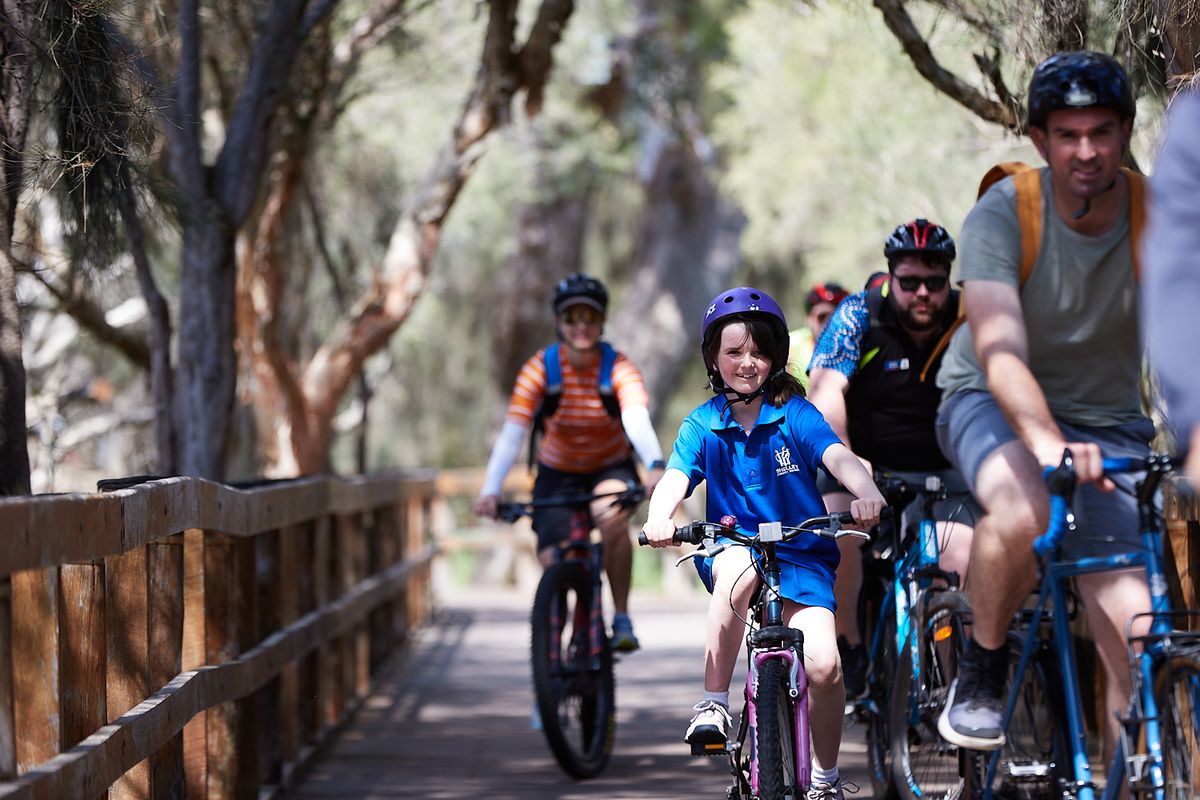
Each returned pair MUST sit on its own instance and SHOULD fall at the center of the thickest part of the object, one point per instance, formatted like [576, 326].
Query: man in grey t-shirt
[1044, 367]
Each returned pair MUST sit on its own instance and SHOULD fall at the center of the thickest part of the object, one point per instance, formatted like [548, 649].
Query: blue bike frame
[1144, 710]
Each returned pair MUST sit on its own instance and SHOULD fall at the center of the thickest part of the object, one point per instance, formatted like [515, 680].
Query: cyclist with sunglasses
[869, 379]
[589, 440]
[819, 304]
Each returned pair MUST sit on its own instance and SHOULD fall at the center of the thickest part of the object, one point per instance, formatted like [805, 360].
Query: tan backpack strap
[1137, 215]
[1029, 217]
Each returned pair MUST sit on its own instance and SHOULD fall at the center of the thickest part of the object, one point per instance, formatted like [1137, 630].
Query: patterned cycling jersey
[840, 346]
[581, 436]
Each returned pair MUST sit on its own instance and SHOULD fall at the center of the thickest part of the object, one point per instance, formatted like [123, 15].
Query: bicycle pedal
[709, 748]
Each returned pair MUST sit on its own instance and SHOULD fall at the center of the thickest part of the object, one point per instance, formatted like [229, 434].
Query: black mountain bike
[569, 649]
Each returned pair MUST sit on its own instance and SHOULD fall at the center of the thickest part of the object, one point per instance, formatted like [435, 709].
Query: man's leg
[1111, 600]
[1003, 571]
[847, 586]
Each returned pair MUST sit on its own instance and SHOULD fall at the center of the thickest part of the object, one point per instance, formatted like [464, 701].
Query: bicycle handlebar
[511, 511]
[696, 532]
[1061, 482]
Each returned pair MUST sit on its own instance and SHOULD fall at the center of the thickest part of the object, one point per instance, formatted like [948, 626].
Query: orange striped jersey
[581, 436]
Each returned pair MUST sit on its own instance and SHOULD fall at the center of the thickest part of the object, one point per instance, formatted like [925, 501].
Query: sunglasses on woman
[910, 283]
[581, 314]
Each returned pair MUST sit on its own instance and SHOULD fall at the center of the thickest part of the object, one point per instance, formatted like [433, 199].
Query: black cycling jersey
[890, 411]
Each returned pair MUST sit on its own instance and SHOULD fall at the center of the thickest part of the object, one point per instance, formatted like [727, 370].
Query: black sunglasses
[910, 283]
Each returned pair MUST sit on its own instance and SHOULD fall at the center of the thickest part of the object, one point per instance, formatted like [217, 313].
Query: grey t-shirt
[1080, 306]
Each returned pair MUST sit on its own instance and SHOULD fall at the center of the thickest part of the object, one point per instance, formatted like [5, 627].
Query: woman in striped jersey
[589, 438]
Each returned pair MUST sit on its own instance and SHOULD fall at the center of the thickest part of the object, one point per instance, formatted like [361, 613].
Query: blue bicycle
[921, 622]
[1045, 753]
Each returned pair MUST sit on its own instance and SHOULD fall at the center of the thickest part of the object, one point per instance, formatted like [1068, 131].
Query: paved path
[451, 720]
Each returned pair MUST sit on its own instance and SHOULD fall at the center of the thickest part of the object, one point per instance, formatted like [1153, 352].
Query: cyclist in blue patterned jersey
[872, 377]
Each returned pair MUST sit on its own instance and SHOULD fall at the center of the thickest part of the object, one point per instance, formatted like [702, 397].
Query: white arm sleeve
[636, 421]
[504, 455]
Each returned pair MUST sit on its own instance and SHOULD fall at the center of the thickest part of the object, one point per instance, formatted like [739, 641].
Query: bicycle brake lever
[708, 551]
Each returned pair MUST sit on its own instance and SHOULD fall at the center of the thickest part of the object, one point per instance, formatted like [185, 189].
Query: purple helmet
[742, 300]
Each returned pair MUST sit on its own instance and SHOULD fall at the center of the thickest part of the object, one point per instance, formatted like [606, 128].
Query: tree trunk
[688, 246]
[1180, 23]
[550, 234]
[16, 88]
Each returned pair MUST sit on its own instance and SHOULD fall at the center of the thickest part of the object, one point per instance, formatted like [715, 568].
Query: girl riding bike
[758, 445]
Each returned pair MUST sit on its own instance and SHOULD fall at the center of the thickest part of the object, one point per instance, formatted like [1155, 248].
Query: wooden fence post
[1181, 516]
[35, 666]
[229, 594]
[8, 727]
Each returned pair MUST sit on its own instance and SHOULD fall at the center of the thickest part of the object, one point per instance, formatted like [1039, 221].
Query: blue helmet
[1079, 79]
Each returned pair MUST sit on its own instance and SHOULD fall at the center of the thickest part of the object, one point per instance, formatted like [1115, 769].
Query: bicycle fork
[798, 691]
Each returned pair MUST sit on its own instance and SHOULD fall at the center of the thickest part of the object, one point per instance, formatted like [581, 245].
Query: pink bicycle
[770, 757]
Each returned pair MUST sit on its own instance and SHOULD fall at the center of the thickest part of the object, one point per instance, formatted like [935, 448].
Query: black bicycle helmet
[576, 289]
[1079, 79]
[920, 237]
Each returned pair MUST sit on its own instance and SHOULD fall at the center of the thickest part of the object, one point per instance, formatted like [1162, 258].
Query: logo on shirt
[783, 457]
[895, 365]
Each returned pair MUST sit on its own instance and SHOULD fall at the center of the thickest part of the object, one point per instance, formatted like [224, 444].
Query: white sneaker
[710, 725]
[831, 791]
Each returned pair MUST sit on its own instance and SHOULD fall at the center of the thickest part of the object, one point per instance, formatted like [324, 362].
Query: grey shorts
[970, 426]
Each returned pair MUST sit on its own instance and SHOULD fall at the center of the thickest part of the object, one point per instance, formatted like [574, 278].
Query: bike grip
[843, 517]
[642, 540]
[1045, 544]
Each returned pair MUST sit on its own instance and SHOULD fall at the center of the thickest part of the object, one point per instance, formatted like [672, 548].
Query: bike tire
[775, 734]
[576, 693]
[1177, 694]
[1035, 759]
[923, 764]
[880, 681]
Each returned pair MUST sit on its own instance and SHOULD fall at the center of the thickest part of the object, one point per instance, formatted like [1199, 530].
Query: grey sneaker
[708, 731]
[974, 712]
[831, 791]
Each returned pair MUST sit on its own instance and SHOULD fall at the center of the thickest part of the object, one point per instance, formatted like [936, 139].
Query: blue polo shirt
[766, 475]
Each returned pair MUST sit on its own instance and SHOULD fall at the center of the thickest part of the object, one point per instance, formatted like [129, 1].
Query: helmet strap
[1087, 202]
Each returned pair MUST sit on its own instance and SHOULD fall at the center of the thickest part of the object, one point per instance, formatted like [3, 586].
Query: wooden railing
[181, 638]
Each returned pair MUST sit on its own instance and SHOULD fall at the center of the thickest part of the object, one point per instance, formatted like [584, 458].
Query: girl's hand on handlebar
[659, 532]
[866, 511]
[488, 506]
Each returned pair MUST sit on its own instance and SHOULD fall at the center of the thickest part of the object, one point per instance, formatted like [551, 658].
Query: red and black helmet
[920, 237]
[1079, 79]
[832, 293]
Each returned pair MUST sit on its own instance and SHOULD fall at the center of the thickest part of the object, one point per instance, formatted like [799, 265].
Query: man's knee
[1010, 489]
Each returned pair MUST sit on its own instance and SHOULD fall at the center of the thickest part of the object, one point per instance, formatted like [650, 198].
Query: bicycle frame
[773, 640]
[1143, 712]
[579, 547]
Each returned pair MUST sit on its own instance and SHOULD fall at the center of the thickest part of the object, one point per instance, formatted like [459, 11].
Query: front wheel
[572, 678]
[1177, 693]
[775, 734]
[924, 764]
[879, 691]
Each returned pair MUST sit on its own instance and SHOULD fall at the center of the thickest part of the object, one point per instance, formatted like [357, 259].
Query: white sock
[826, 776]
[717, 697]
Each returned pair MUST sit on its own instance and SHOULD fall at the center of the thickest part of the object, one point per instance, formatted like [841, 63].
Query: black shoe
[854, 668]
[974, 712]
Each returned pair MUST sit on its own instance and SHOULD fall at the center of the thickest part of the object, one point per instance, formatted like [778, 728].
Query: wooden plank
[195, 740]
[232, 745]
[166, 613]
[83, 653]
[288, 720]
[8, 727]
[35, 666]
[128, 631]
[43, 531]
